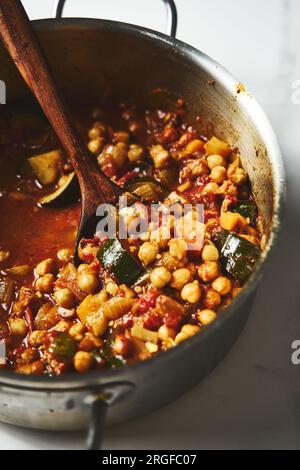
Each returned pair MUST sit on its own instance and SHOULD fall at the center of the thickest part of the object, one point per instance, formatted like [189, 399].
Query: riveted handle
[171, 11]
[99, 403]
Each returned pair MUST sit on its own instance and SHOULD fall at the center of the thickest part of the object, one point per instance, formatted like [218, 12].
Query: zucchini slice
[238, 256]
[119, 262]
[66, 194]
[146, 189]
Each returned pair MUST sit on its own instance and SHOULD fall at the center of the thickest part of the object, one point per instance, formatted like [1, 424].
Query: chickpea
[95, 146]
[186, 332]
[218, 174]
[84, 268]
[76, 331]
[222, 285]
[65, 255]
[148, 252]
[45, 267]
[191, 292]
[160, 277]
[37, 337]
[18, 326]
[98, 130]
[64, 298]
[88, 282]
[117, 152]
[180, 278]
[159, 155]
[208, 271]
[206, 316]
[135, 153]
[164, 333]
[210, 253]
[212, 299]
[83, 361]
[178, 248]
[211, 188]
[95, 132]
[45, 283]
[112, 288]
[239, 177]
[214, 161]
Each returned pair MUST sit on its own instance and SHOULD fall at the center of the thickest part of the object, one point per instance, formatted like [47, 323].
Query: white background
[252, 400]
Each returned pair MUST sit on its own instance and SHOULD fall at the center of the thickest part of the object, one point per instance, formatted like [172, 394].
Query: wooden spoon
[22, 44]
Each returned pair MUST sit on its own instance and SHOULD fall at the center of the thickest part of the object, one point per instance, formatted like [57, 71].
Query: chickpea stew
[118, 306]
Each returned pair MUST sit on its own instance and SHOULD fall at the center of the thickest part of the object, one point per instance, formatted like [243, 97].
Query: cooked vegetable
[239, 257]
[220, 237]
[117, 260]
[66, 194]
[116, 307]
[47, 317]
[62, 346]
[19, 271]
[91, 304]
[247, 209]
[147, 189]
[7, 291]
[139, 332]
[46, 166]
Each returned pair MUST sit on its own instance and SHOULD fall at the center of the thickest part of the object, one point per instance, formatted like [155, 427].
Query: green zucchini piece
[239, 257]
[62, 346]
[220, 237]
[247, 209]
[146, 189]
[117, 260]
[45, 166]
[66, 194]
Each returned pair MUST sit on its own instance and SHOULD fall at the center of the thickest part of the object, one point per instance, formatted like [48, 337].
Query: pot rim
[75, 381]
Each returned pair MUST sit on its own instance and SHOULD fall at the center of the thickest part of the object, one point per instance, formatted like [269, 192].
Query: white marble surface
[252, 400]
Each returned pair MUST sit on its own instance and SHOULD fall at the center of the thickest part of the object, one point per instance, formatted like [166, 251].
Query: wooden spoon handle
[22, 44]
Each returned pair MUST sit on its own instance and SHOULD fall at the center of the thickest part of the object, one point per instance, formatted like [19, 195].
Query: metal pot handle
[171, 11]
[99, 402]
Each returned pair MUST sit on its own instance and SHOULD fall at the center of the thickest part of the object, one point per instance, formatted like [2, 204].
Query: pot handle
[171, 11]
[99, 403]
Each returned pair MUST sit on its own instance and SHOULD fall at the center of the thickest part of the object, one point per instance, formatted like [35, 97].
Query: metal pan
[95, 60]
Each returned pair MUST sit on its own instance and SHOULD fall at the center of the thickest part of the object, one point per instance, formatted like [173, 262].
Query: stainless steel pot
[95, 60]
